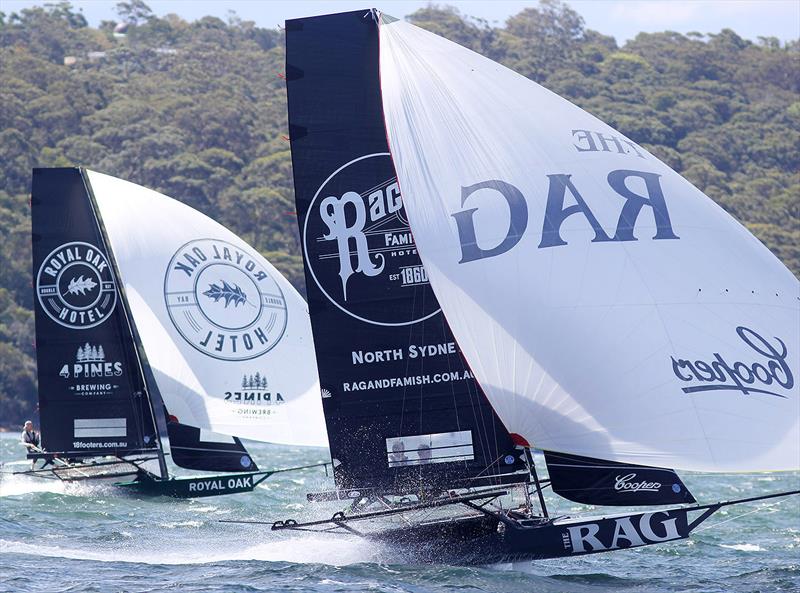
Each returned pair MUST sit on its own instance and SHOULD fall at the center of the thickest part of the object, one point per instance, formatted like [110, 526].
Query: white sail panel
[607, 306]
[227, 337]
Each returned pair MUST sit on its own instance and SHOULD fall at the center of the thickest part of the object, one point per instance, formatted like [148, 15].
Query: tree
[134, 12]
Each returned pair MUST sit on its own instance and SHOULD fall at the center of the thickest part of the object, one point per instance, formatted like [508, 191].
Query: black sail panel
[402, 408]
[600, 482]
[222, 453]
[92, 397]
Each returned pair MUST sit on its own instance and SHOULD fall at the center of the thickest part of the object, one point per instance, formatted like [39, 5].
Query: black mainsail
[93, 399]
[403, 410]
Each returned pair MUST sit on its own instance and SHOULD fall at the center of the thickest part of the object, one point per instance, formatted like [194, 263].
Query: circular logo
[223, 301]
[75, 286]
[359, 247]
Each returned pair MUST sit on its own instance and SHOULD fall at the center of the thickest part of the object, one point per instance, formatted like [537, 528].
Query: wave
[743, 547]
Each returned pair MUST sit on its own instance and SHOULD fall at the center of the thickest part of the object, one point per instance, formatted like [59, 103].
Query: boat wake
[297, 550]
[13, 485]
[21, 485]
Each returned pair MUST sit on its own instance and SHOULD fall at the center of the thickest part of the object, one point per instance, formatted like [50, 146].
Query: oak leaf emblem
[80, 285]
[231, 294]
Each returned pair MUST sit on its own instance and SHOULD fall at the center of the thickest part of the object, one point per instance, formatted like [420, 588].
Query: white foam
[312, 549]
[22, 485]
[205, 509]
[11, 485]
[743, 547]
[175, 524]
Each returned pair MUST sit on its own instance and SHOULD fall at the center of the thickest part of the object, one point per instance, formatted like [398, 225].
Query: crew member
[398, 455]
[31, 441]
[30, 438]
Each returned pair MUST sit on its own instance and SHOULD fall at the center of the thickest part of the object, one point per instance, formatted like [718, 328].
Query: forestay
[227, 337]
[607, 307]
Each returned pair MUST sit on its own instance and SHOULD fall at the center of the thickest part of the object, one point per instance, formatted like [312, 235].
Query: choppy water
[55, 537]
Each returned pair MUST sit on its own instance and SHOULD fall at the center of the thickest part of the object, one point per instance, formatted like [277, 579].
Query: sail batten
[608, 308]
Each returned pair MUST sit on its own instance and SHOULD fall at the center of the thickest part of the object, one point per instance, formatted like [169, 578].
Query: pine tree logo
[91, 361]
[256, 382]
[89, 353]
[255, 392]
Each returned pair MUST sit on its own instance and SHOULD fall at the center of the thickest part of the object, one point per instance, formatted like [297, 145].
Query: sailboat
[153, 321]
[490, 270]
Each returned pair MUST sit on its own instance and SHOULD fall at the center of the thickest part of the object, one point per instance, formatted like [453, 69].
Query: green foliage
[196, 110]
[17, 368]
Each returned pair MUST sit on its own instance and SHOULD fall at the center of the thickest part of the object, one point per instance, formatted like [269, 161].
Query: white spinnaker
[201, 386]
[573, 343]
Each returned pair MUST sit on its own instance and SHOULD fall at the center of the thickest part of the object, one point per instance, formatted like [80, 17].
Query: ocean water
[56, 537]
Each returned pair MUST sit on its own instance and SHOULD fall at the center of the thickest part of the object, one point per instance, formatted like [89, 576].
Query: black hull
[464, 541]
[142, 483]
[194, 487]
[485, 539]
[498, 536]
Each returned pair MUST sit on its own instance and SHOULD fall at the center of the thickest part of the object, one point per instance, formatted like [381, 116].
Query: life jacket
[30, 437]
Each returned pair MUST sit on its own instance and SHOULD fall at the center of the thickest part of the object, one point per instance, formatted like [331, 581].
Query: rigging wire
[761, 508]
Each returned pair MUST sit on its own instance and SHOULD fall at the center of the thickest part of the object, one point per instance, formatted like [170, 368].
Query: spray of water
[15, 484]
[311, 549]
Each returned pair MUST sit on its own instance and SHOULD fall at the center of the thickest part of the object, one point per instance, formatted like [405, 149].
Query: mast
[138, 351]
